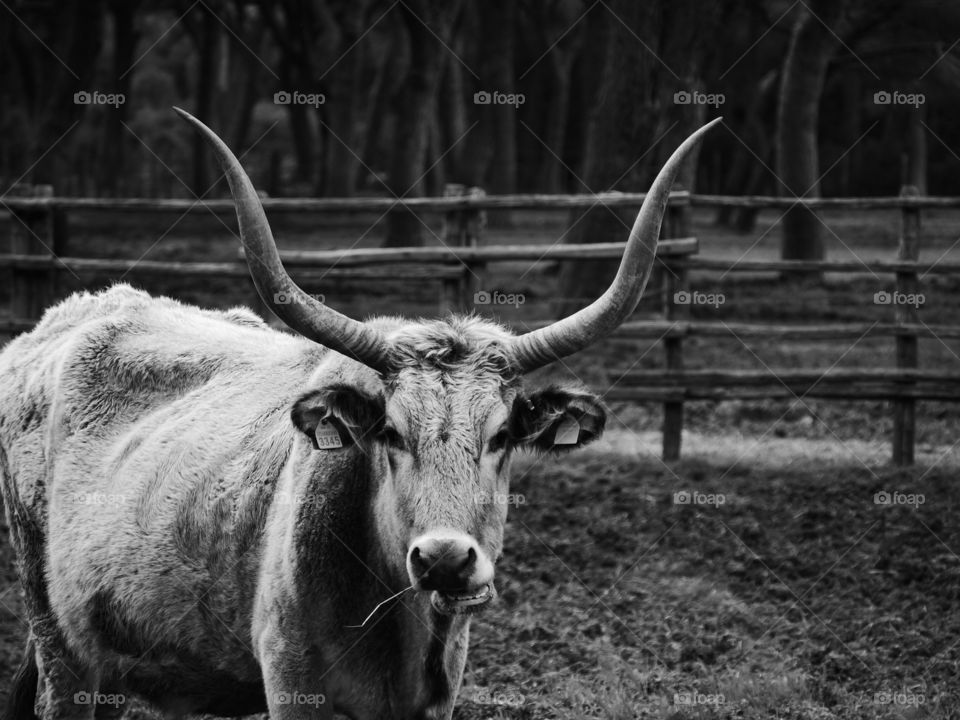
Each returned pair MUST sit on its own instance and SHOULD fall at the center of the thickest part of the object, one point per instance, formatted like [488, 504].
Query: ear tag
[327, 436]
[568, 432]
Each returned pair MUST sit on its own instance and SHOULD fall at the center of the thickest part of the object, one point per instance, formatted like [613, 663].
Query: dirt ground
[797, 596]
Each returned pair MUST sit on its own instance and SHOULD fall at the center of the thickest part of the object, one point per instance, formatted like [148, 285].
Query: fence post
[450, 291]
[675, 280]
[33, 232]
[462, 228]
[904, 409]
[473, 221]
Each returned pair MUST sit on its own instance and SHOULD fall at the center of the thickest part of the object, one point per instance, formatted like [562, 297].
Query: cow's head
[440, 405]
[440, 428]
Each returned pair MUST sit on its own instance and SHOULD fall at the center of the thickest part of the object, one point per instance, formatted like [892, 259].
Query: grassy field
[783, 590]
[789, 593]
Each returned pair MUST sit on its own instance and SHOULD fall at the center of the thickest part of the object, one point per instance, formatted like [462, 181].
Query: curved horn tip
[198, 124]
[183, 113]
[701, 131]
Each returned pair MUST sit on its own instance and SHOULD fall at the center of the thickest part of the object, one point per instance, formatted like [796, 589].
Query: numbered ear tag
[568, 432]
[328, 438]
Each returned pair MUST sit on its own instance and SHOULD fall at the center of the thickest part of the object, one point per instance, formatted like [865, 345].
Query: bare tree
[813, 42]
[429, 26]
[651, 52]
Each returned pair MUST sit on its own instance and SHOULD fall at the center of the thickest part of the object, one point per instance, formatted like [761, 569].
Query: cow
[220, 517]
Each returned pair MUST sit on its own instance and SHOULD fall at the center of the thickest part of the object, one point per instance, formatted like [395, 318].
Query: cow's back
[145, 438]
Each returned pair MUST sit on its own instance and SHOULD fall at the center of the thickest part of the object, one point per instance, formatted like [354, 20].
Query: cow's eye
[499, 441]
[392, 438]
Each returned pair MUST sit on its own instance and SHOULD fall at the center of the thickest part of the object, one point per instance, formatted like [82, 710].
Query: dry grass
[797, 598]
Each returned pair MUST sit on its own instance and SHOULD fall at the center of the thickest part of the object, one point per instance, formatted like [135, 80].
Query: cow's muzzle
[454, 569]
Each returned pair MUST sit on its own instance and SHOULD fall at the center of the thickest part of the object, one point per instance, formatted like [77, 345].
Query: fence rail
[40, 228]
[529, 201]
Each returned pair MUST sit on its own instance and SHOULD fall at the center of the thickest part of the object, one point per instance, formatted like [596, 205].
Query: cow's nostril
[446, 564]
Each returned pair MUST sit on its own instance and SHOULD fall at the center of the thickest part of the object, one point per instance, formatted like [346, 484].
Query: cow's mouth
[463, 603]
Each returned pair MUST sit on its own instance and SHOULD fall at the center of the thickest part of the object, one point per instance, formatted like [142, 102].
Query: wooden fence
[39, 230]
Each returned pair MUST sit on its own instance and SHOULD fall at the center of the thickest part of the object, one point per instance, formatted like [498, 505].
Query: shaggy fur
[180, 535]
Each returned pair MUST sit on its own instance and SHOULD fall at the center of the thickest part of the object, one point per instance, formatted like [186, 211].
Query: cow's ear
[558, 419]
[338, 416]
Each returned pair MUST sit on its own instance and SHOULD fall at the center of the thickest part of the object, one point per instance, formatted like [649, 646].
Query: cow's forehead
[458, 369]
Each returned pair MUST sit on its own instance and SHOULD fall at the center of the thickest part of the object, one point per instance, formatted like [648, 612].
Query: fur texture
[181, 536]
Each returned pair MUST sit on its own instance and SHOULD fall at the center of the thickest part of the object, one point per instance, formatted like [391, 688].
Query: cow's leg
[292, 678]
[67, 687]
[62, 678]
[23, 689]
[112, 701]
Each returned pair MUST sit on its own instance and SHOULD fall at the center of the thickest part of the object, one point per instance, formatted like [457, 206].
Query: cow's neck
[412, 652]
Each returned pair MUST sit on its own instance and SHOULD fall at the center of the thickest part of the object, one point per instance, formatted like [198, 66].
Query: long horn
[604, 315]
[301, 313]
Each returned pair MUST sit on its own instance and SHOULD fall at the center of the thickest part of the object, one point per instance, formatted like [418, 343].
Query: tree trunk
[413, 104]
[618, 133]
[74, 33]
[354, 87]
[917, 148]
[499, 22]
[453, 118]
[113, 168]
[812, 45]
[550, 173]
[251, 69]
[206, 40]
[628, 117]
